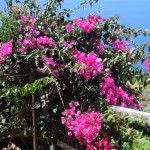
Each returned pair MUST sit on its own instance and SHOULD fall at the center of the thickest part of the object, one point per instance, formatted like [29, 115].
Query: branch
[60, 94]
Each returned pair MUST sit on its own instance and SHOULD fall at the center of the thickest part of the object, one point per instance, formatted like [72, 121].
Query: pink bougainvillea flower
[39, 69]
[87, 66]
[55, 73]
[100, 48]
[43, 40]
[24, 19]
[84, 25]
[32, 20]
[69, 27]
[50, 67]
[6, 48]
[140, 105]
[87, 25]
[49, 61]
[147, 64]
[115, 95]
[22, 49]
[73, 42]
[104, 144]
[66, 44]
[119, 45]
[84, 126]
[91, 147]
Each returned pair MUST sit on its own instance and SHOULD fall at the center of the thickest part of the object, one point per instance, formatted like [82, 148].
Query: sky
[132, 13]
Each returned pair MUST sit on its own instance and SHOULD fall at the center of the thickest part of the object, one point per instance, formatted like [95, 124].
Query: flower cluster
[99, 47]
[85, 126]
[66, 44]
[102, 144]
[116, 95]
[31, 36]
[147, 64]
[27, 19]
[87, 25]
[50, 66]
[44, 40]
[87, 66]
[119, 45]
[5, 49]
[69, 27]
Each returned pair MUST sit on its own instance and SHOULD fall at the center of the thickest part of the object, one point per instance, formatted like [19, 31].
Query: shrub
[58, 61]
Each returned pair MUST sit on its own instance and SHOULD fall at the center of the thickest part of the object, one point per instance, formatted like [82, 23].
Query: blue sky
[133, 13]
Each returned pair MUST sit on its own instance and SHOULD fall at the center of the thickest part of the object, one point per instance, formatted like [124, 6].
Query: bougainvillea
[147, 64]
[57, 60]
[116, 95]
[87, 66]
[50, 66]
[69, 27]
[85, 127]
[102, 144]
[5, 49]
[120, 45]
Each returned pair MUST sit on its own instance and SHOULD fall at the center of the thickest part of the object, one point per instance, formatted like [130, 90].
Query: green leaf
[3, 121]
[141, 144]
[132, 80]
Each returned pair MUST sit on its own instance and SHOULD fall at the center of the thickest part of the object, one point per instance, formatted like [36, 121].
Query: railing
[131, 112]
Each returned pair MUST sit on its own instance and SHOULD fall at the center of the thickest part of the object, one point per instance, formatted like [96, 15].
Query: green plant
[55, 61]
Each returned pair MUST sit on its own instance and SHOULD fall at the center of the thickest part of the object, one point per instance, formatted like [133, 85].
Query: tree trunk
[33, 122]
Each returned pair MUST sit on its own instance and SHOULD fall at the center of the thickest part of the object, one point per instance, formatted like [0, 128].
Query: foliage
[145, 95]
[85, 59]
[141, 144]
